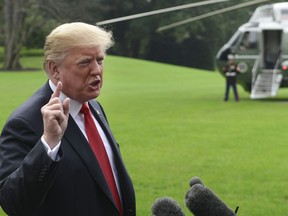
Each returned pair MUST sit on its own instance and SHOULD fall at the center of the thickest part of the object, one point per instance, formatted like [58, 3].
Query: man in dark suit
[47, 162]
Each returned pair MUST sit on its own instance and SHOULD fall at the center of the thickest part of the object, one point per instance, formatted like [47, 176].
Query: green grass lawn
[172, 124]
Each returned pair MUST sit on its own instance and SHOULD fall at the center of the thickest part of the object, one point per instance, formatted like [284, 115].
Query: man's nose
[96, 67]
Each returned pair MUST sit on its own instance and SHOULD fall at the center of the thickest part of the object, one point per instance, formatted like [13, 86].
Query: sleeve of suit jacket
[26, 171]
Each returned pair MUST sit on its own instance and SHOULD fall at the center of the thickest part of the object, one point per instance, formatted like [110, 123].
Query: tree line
[25, 23]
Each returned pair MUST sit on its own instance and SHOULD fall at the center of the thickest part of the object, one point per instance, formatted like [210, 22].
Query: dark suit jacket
[32, 184]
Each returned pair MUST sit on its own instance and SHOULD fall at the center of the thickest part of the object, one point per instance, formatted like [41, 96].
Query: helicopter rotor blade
[235, 7]
[180, 7]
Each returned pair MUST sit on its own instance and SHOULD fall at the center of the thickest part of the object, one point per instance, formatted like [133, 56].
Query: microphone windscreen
[195, 180]
[203, 202]
[166, 206]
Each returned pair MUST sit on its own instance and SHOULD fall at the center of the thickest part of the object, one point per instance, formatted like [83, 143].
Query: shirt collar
[75, 106]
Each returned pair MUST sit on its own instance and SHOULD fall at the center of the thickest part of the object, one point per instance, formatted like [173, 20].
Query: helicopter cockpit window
[249, 41]
[262, 14]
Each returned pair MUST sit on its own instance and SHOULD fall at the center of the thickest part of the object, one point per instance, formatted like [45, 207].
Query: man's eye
[83, 63]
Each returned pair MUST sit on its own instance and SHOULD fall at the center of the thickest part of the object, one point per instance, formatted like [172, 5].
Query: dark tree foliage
[26, 22]
[194, 44]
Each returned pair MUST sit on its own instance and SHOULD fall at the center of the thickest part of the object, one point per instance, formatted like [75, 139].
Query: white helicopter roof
[277, 12]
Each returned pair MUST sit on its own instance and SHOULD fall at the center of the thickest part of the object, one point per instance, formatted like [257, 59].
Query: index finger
[57, 91]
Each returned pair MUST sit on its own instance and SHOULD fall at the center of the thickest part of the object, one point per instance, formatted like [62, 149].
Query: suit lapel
[99, 115]
[79, 143]
[126, 185]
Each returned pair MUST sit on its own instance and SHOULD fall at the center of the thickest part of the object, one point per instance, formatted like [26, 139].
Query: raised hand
[55, 117]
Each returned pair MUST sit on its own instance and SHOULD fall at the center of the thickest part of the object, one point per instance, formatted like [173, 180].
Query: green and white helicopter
[260, 47]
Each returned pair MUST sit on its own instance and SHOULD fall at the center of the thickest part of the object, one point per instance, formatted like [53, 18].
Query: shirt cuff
[52, 153]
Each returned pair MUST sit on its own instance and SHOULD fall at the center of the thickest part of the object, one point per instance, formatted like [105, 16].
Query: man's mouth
[95, 83]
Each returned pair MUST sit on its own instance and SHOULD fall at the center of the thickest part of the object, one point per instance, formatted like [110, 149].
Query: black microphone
[195, 180]
[166, 206]
[203, 202]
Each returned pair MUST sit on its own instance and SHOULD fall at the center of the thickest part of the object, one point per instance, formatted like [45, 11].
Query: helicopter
[260, 49]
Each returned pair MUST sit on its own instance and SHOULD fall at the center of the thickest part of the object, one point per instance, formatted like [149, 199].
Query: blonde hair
[72, 35]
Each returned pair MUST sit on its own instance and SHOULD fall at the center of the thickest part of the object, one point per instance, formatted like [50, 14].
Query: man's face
[81, 73]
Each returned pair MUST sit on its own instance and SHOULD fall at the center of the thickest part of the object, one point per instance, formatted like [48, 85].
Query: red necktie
[100, 153]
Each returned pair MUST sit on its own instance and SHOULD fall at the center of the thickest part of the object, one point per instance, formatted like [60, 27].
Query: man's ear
[53, 70]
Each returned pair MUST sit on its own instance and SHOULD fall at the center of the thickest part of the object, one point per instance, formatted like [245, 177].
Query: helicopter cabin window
[249, 41]
[284, 15]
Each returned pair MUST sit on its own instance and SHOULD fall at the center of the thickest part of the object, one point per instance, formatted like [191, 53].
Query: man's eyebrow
[83, 58]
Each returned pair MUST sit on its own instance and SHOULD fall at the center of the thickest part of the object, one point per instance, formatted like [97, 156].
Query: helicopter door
[272, 47]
